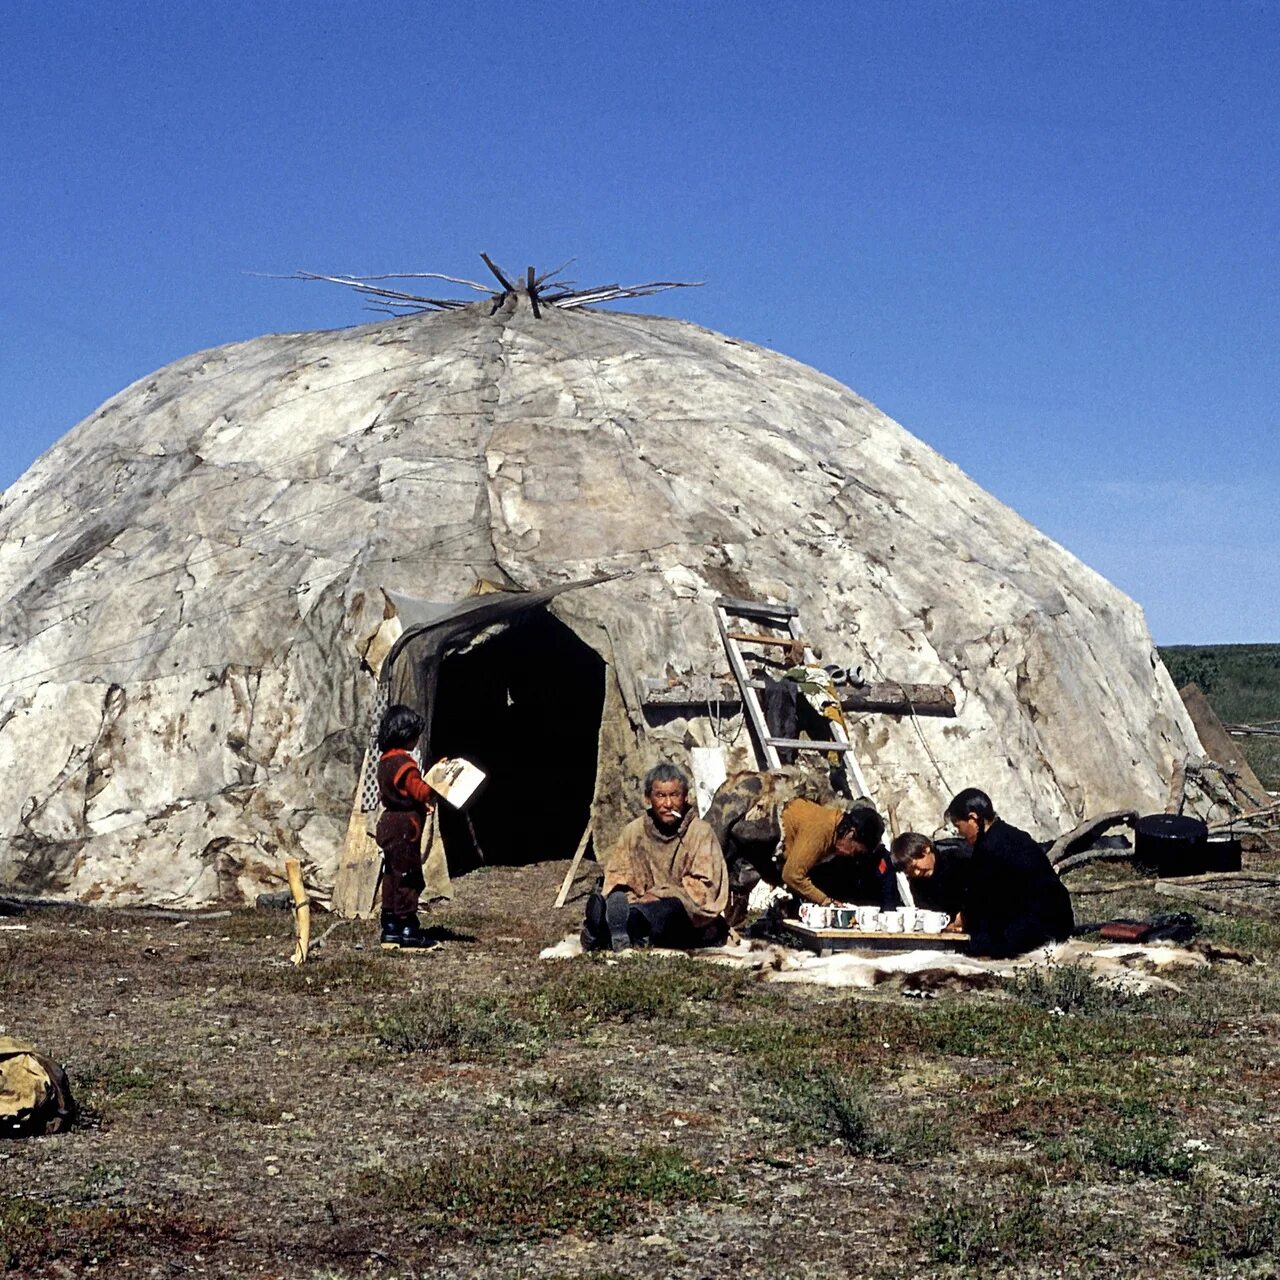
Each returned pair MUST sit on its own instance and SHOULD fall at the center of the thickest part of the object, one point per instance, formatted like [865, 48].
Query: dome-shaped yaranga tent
[196, 578]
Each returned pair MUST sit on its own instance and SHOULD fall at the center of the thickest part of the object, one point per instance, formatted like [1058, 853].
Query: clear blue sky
[1041, 236]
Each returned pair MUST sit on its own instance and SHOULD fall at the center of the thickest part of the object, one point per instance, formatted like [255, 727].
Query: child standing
[406, 801]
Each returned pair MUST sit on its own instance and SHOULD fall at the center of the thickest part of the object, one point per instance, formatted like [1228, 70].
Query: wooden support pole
[563, 896]
[301, 909]
[1217, 901]
[502, 280]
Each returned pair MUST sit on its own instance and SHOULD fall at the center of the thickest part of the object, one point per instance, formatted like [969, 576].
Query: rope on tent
[915, 719]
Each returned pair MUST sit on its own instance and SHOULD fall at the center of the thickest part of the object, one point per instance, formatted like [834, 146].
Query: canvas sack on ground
[455, 781]
[35, 1095]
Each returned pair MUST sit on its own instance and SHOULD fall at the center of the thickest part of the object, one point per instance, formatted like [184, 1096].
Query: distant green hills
[1242, 681]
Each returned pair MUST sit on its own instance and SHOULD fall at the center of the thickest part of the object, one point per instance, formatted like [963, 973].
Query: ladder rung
[757, 608]
[808, 744]
[781, 642]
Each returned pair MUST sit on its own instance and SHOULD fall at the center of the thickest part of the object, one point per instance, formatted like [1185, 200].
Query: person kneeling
[665, 881]
[1014, 900]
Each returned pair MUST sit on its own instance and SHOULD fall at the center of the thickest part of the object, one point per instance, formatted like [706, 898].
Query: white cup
[891, 922]
[815, 916]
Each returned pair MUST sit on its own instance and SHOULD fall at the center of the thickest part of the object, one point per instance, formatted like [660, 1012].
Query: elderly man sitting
[665, 881]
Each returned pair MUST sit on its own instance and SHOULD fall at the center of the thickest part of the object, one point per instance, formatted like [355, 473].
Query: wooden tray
[826, 941]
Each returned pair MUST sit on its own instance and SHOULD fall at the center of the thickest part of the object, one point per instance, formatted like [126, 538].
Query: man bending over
[821, 853]
[665, 882]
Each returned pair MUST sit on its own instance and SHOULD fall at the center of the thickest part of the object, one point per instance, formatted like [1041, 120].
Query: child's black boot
[412, 937]
[391, 930]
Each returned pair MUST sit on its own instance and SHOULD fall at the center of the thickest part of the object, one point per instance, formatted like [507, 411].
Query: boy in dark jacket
[938, 871]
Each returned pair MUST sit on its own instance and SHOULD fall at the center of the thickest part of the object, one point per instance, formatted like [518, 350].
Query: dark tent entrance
[525, 705]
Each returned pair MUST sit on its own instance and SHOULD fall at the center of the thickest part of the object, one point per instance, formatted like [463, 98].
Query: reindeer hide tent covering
[194, 578]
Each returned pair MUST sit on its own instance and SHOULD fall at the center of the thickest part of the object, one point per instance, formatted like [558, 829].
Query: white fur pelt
[1130, 967]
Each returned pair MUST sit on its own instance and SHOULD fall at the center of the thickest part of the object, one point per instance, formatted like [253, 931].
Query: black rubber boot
[391, 927]
[617, 912]
[411, 936]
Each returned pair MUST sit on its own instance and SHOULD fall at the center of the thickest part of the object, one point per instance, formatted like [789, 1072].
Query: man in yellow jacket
[821, 852]
[834, 855]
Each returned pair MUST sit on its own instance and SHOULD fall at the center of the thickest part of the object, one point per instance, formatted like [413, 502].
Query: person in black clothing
[938, 872]
[1015, 901]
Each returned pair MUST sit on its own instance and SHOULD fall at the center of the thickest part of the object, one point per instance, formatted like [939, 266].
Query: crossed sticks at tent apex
[547, 289]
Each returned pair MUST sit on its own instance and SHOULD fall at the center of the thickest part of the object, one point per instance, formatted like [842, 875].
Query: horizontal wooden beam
[900, 699]
[692, 692]
[893, 699]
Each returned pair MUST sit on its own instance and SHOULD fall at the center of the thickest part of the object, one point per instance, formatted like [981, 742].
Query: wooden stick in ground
[1092, 855]
[1228, 879]
[301, 909]
[563, 896]
[1123, 886]
[1216, 901]
[1177, 787]
[1226, 823]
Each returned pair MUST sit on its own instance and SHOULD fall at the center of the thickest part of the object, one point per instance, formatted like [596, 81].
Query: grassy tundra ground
[475, 1111]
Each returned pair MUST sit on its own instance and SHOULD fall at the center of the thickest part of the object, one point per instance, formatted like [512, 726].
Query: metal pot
[1170, 844]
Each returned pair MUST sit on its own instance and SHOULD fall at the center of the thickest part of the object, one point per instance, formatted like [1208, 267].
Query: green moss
[511, 1192]
[342, 971]
[578, 1091]
[112, 1081]
[1002, 1228]
[39, 1238]
[641, 988]
[1070, 989]
[486, 1029]
[1234, 1220]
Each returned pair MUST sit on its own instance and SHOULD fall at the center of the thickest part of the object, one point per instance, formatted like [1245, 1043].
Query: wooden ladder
[777, 617]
